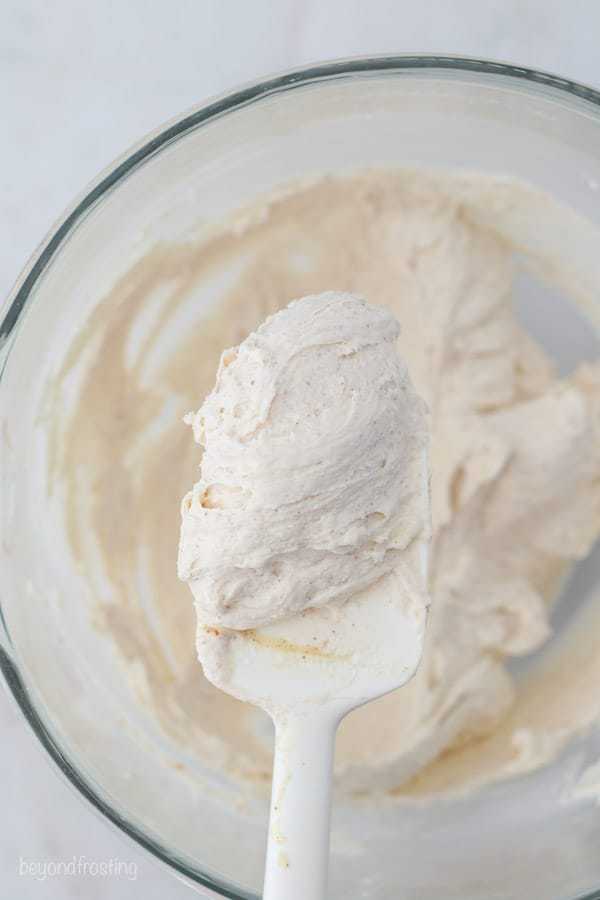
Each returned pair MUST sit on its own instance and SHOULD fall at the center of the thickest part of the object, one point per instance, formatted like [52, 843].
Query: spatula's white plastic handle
[298, 841]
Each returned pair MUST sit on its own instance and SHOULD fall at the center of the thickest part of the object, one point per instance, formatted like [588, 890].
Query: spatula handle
[298, 841]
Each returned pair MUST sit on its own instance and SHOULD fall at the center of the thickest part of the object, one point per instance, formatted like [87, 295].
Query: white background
[79, 82]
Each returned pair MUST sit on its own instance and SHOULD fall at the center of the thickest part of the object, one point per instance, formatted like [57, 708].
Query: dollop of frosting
[311, 485]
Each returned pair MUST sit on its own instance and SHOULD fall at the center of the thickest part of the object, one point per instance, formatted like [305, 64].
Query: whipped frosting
[515, 460]
[311, 485]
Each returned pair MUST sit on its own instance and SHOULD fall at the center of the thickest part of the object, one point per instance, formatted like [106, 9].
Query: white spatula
[312, 467]
[308, 672]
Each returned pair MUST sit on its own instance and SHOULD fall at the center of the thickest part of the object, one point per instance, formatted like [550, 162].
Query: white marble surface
[79, 82]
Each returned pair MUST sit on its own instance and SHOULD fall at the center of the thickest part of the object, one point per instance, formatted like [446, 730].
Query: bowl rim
[17, 300]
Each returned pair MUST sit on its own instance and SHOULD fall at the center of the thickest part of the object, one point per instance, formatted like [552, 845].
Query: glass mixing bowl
[511, 840]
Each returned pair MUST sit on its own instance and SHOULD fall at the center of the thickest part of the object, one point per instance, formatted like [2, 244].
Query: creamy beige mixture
[311, 483]
[515, 465]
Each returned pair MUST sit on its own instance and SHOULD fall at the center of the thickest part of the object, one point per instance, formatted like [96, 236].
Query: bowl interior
[210, 166]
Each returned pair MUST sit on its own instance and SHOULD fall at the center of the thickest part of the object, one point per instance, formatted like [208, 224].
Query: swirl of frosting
[311, 476]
